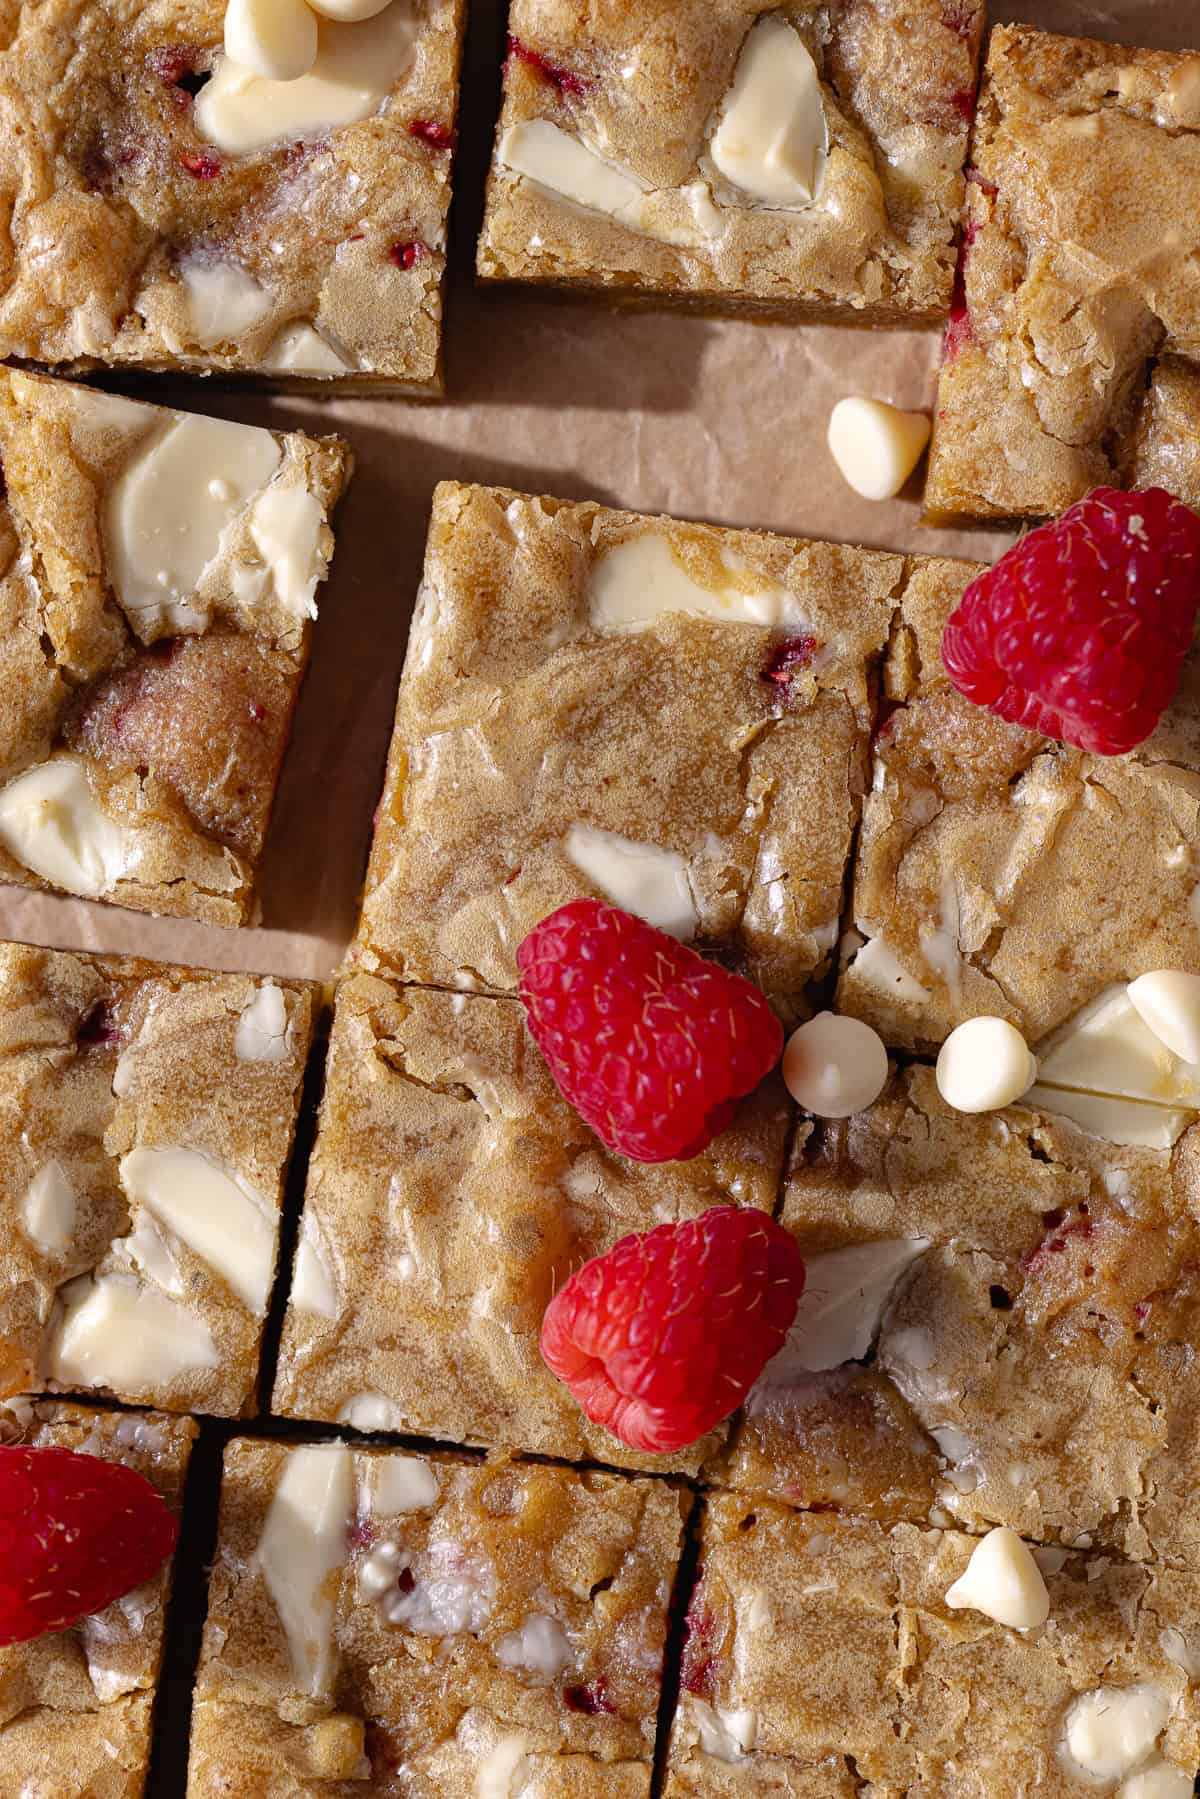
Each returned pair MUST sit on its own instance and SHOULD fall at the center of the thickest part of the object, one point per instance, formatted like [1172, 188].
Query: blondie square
[821, 1655]
[75, 1707]
[168, 209]
[669, 716]
[1002, 872]
[1071, 357]
[432, 1627]
[159, 573]
[451, 1192]
[998, 1327]
[146, 1120]
[804, 163]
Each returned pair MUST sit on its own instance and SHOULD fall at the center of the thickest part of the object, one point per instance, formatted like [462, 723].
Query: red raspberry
[75, 1534]
[1080, 630]
[665, 1335]
[650, 1043]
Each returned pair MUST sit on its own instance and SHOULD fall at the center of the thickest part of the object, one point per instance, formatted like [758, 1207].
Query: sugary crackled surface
[1033, 1365]
[825, 1643]
[114, 196]
[451, 1192]
[1000, 872]
[75, 1707]
[520, 717]
[104, 1059]
[1071, 359]
[517, 1606]
[173, 718]
[642, 82]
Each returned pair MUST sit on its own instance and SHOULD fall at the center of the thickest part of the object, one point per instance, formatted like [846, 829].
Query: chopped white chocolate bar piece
[1168, 1002]
[875, 445]
[541, 1646]
[846, 1292]
[371, 1411]
[224, 301]
[638, 580]
[51, 823]
[835, 1066]
[314, 1288]
[877, 964]
[401, 1483]
[304, 1542]
[48, 1209]
[300, 350]
[1157, 1780]
[262, 1031]
[772, 136]
[1002, 1581]
[1109, 1048]
[564, 165]
[212, 1210]
[275, 38]
[1127, 1121]
[983, 1065]
[285, 525]
[638, 877]
[116, 1333]
[1110, 1730]
[502, 1771]
[727, 1734]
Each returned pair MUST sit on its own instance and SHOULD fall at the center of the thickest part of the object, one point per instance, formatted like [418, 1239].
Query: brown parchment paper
[709, 419]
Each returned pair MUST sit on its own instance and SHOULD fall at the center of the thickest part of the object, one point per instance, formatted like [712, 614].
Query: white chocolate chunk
[356, 69]
[313, 1286]
[1168, 1003]
[211, 1209]
[165, 516]
[565, 166]
[772, 137]
[51, 823]
[1110, 1730]
[1157, 1780]
[285, 526]
[348, 11]
[640, 579]
[846, 1292]
[115, 1333]
[304, 1543]
[505, 1765]
[399, 1484]
[301, 350]
[223, 300]
[727, 1734]
[984, 1064]
[1109, 1048]
[145, 1251]
[371, 1411]
[640, 878]
[878, 965]
[48, 1209]
[1002, 1581]
[1126, 1121]
[835, 1066]
[875, 445]
[275, 38]
[541, 1646]
[263, 1031]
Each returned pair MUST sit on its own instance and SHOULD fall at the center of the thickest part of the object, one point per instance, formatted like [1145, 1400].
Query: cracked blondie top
[1071, 356]
[158, 574]
[1002, 872]
[75, 1707]
[146, 1122]
[168, 210]
[451, 1192]
[432, 1627]
[668, 716]
[1020, 1300]
[803, 163]
[821, 1655]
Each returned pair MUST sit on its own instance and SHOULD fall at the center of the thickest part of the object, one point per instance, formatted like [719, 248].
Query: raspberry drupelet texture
[75, 1534]
[651, 1044]
[665, 1335]
[1080, 630]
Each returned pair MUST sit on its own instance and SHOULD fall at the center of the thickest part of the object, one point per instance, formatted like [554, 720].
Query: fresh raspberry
[75, 1534]
[565, 80]
[407, 255]
[1080, 630]
[650, 1043]
[665, 1335]
[201, 165]
[433, 133]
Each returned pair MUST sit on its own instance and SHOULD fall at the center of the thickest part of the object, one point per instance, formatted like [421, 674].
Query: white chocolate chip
[223, 300]
[875, 445]
[213, 1210]
[51, 823]
[300, 350]
[1108, 1048]
[275, 38]
[1002, 1581]
[727, 1734]
[314, 1288]
[772, 137]
[506, 1763]
[1157, 1780]
[984, 1064]
[48, 1209]
[401, 1483]
[304, 1543]
[263, 1031]
[285, 525]
[371, 1411]
[540, 1646]
[835, 1066]
[116, 1333]
[1168, 1002]
[357, 67]
[637, 581]
[640, 878]
[163, 521]
[1110, 1730]
[845, 1294]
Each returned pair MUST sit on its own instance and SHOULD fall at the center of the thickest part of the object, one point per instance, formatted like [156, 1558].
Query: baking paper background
[708, 419]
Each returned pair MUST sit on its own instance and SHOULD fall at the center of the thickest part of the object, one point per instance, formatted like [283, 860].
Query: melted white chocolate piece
[117, 1333]
[846, 1292]
[263, 1032]
[52, 824]
[772, 138]
[275, 38]
[638, 581]
[223, 300]
[48, 1209]
[211, 1209]
[1110, 1730]
[303, 1545]
[640, 878]
[301, 350]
